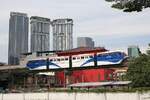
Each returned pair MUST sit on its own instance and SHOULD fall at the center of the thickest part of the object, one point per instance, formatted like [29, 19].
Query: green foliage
[130, 6]
[109, 0]
[117, 5]
[139, 71]
[133, 6]
[102, 90]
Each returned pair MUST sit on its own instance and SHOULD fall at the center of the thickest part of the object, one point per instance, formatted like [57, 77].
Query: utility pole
[95, 59]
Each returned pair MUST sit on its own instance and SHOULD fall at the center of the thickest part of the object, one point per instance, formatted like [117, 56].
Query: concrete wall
[75, 96]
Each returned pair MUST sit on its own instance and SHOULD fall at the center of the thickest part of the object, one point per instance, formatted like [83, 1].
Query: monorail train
[80, 60]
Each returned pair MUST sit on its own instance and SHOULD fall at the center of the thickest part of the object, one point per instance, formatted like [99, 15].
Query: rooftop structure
[2, 64]
[81, 50]
[100, 84]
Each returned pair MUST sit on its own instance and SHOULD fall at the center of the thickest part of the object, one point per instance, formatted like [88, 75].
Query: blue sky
[109, 27]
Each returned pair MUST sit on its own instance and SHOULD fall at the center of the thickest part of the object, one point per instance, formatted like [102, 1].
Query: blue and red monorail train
[77, 61]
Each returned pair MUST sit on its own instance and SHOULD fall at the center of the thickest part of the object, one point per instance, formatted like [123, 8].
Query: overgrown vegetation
[103, 90]
[139, 71]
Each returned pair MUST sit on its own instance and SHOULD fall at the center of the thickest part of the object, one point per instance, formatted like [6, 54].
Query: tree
[130, 5]
[139, 71]
[148, 50]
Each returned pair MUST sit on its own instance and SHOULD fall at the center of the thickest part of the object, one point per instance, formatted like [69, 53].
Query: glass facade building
[18, 36]
[62, 34]
[40, 31]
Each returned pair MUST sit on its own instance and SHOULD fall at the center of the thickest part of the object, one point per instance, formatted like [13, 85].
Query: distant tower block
[133, 51]
[85, 42]
[18, 36]
[62, 34]
[40, 31]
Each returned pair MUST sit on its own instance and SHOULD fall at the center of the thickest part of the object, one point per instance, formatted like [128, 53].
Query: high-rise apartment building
[62, 34]
[133, 51]
[18, 36]
[85, 42]
[40, 31]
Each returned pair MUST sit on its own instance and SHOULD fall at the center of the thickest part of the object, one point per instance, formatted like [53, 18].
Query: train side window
[82, 57]
[58, 59]
[74, 58]
[51, 60]
[62, 59]
[99, 55]
[86, 57]
[66, 58]
[78, 57]
[90, 56]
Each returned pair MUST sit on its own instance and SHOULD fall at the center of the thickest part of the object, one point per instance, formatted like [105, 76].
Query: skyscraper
[40, 30]
[85, 42]
[62, 34]
[133, 51]
[18, 36]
